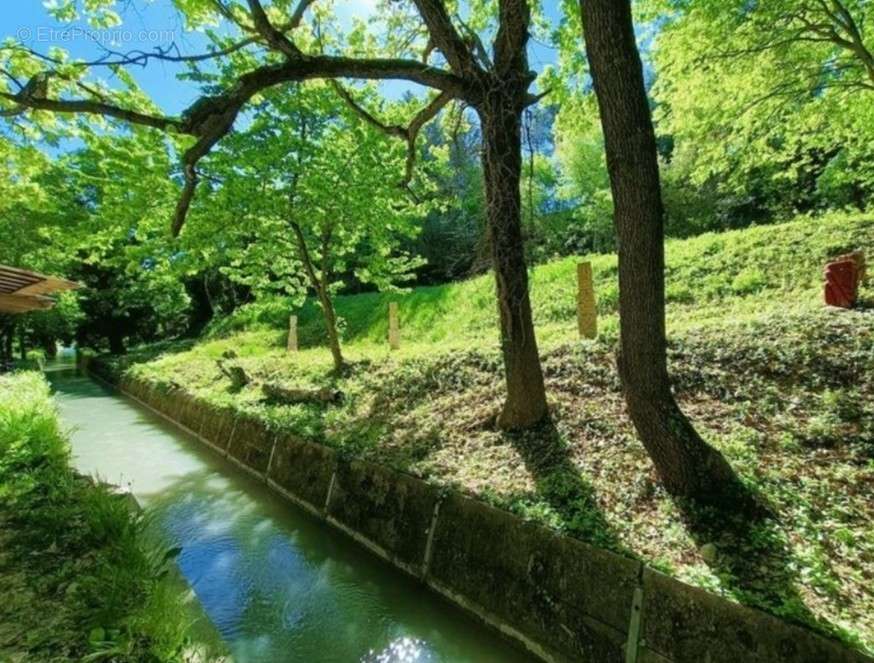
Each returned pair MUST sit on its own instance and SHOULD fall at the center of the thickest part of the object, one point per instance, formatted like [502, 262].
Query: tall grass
[75, 550]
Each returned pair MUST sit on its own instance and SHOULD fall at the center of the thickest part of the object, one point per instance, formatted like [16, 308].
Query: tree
[273, 50]
[33, 239]
[98, 215]
[768, 104]
[452, 240]
[122, 305]
[580, 148]
[821, 43]
[687, 465]
[306, 196]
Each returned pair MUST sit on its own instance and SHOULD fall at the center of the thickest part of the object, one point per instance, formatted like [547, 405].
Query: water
[279, 585]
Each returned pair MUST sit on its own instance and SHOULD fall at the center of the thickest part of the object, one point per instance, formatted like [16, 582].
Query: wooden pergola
[22, 291]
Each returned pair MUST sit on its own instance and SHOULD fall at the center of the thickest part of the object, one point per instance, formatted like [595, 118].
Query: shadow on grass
[748, 550]
[753, 559]
[561, 488]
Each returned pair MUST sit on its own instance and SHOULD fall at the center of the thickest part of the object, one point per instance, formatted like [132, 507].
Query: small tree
[307, 193]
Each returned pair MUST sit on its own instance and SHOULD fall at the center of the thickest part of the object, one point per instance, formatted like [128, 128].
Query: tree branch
[137, 58]
[512, 36]
[275, 38]
[212, 117]
[817, 22]
[228, 13]
[409, 133]
[424, 116]
[305, 256]
[297, 16]
[367, 116]
[34, 96]
[446, 38]
[476, 43]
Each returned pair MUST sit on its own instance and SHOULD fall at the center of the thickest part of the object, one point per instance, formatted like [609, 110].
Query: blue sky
[148, 24]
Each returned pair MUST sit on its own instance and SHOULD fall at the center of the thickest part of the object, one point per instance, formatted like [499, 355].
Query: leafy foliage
[307, 164]
[768, 106]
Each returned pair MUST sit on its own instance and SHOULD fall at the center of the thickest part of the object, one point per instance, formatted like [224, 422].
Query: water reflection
[278, 585]
[402, 650]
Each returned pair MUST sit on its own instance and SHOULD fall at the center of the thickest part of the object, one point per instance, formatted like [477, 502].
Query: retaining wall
[560, 598]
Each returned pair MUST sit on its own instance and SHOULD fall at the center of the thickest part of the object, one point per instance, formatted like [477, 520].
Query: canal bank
[559, 597]
[81, 575]
[277, 584]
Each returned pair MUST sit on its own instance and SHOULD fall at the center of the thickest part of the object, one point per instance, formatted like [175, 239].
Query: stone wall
[560, 598]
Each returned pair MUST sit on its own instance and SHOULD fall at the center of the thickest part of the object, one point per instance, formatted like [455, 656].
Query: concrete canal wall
[562, 599]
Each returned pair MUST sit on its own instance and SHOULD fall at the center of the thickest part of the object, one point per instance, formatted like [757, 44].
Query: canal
[277, 584]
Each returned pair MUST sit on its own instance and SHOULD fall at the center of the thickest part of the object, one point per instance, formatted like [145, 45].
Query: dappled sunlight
[746, 384]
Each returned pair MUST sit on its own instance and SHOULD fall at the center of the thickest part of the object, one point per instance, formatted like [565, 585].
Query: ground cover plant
[79, 577]
[780, 385]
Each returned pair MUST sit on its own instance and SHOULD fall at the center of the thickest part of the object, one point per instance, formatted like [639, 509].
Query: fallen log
[292, 395]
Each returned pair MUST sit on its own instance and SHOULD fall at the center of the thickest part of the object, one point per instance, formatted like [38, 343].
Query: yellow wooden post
[587, 316]
[394, 328]
[292, 334]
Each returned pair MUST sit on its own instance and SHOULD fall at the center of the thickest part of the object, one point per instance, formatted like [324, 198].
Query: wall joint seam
[270, 460]
[227, 450]
[330, 491]
[429, 543]
[633, 643]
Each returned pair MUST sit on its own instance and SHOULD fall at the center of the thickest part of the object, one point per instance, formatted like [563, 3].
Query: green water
[277, 584]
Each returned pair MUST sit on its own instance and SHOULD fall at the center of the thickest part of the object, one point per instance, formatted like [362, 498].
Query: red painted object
[841, 283]
[842, 278]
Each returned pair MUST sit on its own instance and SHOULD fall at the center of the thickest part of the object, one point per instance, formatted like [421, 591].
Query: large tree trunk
[687, 465]
[500, 115]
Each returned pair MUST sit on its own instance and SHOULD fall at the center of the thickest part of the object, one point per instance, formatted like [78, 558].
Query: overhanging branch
[212, 117]
[409, 133]
[34, 95]
[137, 58]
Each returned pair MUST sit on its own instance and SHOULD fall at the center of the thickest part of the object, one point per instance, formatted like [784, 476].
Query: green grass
[78, 577]
[744, 269]
[781, 385]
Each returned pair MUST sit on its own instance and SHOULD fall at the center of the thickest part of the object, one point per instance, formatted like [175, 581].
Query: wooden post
[394, 328]
[292, 334]
[587, 316]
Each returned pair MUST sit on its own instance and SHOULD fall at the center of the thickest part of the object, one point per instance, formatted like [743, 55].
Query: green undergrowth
[783, 386]
[79, 579]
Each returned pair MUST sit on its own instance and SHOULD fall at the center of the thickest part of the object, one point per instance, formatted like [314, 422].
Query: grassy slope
[78, 580]
[784, 387]
[742, 268]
